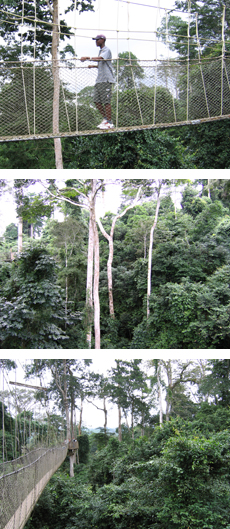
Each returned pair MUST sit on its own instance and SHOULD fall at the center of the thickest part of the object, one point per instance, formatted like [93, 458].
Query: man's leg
[101, 109]
[108, 112]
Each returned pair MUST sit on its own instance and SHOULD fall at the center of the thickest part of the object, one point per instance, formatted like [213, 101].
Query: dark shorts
[102, 93]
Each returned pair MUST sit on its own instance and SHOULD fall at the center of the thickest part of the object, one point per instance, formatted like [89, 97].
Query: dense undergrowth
[174, 477]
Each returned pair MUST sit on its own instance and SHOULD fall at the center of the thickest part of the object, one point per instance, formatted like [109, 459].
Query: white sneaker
[106, 125]
[102, 123]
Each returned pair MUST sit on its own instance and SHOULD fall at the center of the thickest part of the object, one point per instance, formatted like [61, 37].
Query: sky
[8, 214]
[126, 26]
[112, 197]
[92, 418]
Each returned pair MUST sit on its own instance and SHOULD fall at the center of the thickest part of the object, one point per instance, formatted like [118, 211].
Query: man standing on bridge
[104, 81]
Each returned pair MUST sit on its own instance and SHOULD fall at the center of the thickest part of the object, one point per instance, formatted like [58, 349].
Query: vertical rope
[23, 79]
[16, 422]
[130, 62]
[75, 59]
[222, 63]
[34, 71]
[188, 36]
[155, 76]
[167, 44]
[227, 76]
[117, 65]
[201, 71]
[66, 108]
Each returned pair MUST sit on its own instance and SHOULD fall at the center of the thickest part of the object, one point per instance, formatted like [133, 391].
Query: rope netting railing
[22, 482]
[161, 96]
[162, 91]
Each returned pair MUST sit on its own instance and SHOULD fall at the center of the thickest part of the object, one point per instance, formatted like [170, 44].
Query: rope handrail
[32, 462]
[20, 490]
[147, 93]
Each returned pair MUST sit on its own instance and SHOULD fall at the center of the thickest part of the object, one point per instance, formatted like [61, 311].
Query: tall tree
[208, 15]
[109, 238]
[129, 70]
[83, 193]
[46, 17]
[32, 308]
[65, 386]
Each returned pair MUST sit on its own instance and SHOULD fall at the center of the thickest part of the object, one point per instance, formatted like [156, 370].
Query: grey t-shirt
[105, 72]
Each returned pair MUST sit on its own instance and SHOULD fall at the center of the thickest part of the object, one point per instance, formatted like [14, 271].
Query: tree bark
[20, 228]
[151, 249]
[96, 288]
[169, 375]
[109, 238]
[80, 418]
[89, 282]
[56, 80]
[119, 424]
[159, 394]
[105, 414]
[72, 460]
[64, 394]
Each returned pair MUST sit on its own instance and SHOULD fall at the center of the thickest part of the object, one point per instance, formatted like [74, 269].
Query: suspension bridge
[159, 92]
[23, 480]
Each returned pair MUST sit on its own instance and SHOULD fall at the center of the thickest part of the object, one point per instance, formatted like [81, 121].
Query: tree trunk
[89, 282]
[209, 192]
[109, 238]
[159, 394]
[66, 282]
[80, 418]
[105, 414]
[151, 251]
[72, 411]
[119, 424]
[132, 420]
[168, 367]
[20, 228]
[72, 460]
[66, 404]
[56, 80]
[96, 289]
[142, 425]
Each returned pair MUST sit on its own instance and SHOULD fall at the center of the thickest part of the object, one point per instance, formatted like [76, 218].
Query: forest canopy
[156, 470]
[152, 276]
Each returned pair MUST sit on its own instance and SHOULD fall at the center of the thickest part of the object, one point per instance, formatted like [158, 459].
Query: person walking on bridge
[104, 81]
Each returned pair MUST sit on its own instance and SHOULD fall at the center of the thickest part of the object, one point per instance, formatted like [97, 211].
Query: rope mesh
[23, 481]
[147, 94]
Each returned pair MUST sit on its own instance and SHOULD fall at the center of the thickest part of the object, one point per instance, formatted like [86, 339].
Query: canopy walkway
[163, 91]
[22, 482]
[168, 94]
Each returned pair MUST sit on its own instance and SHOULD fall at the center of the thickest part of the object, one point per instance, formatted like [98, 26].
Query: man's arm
[95, 59]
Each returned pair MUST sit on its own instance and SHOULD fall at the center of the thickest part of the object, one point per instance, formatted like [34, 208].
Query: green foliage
[37, 154]
[177, 478]
[190, 314]
[32, 310]
[83, 451]
[194, 482]
[11, 20]
[209, 17]
[129, 71]
[207, 143]
[130, 150]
